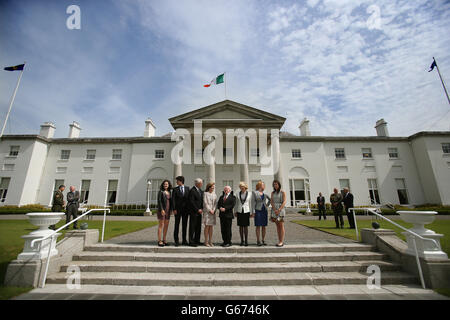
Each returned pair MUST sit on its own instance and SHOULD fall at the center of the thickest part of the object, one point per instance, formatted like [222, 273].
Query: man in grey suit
[73, 203]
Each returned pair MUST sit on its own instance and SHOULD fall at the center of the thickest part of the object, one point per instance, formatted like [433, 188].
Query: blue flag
[14, 68]
[432, 66]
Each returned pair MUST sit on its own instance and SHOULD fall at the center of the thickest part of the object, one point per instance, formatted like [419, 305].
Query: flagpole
[225, 80]
[11, 103]
[442, 80]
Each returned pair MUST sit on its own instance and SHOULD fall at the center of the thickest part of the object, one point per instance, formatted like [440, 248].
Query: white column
[244, 167]
[211, 171]
[177, 170]
[275, 139]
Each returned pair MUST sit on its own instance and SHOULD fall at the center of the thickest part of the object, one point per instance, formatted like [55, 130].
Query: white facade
[418, 166]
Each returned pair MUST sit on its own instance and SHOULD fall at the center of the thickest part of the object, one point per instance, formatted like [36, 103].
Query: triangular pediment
[229, 112]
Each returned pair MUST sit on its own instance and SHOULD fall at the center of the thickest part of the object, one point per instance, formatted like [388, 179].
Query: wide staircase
[308, 264]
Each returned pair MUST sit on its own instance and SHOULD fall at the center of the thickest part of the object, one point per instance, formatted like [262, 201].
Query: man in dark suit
[348, 203]
[181, 199]
[196, 209]
[321, 206]
[73, 203]
[226, 203]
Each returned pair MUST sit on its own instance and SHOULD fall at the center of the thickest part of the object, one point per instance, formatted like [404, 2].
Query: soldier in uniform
[58, 202]
[336, 205]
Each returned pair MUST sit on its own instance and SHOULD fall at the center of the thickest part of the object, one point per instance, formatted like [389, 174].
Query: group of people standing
[339, 201]
[195, 207]
[71, 206]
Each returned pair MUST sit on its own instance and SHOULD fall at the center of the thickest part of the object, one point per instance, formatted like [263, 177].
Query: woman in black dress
[165, 208]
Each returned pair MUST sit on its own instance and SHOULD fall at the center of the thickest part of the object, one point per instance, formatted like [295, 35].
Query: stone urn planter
[426, 249]
[40, 250]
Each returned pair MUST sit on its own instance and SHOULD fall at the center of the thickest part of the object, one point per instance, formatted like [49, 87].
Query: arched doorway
[299, 188]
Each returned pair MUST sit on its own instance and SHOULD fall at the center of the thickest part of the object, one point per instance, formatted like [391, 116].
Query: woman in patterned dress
[209, 212]
[278, 202]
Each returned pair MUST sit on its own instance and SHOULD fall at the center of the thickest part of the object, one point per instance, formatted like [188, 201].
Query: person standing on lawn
[321, 206]
[348, 204]
[73, 203]
[58, 202]
[336, 205]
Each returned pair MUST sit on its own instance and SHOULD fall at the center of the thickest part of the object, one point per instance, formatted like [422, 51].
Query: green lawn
[11, 243]
[439, 226]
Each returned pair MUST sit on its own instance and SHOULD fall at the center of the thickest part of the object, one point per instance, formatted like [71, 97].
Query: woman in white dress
[209, 212]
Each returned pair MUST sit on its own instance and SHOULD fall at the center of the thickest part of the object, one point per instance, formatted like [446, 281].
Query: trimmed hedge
[39, 208]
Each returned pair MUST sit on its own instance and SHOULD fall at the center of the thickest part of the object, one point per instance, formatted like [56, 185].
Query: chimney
[382, 130]
[47, 130]
[304, 128]
[149, 128]
[74, 130]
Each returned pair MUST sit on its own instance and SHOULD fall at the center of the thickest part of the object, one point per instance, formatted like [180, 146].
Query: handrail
[59, 229]
[403, 228]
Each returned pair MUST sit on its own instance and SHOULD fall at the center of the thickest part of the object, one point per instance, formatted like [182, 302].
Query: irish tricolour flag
[217, 80]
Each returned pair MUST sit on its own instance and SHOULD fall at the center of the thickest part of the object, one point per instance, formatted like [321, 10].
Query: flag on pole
[432, 65]
[14, 68]
[217, 80]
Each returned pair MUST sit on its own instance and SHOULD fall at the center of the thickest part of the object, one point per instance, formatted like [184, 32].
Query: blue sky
[320, 59]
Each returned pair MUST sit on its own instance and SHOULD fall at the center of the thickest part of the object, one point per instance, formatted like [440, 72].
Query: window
[299, 191]
[65, 155]
[446, 148]
[296, 153]
[58, 182]
[14, 151]
[369, 169]
[344, 183]
[112, 191]
[402, 191]
[227, 183]
[373, 191]
[114, 169]
[4, 185]
[84, 190]
[366, 153]
[159, 154]
[88, 169]
[339, 153]
[61, 169]
[8, 167]
[393, 153]
[117, 154]
[90, 154]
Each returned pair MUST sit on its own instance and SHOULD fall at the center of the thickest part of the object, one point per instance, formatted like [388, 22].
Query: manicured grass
[443, 291]
[11, 243]
[439, 226]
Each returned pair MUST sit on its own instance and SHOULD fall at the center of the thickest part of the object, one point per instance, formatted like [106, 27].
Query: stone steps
[238, 267]
[313, 247]
[307, 264]
[164, 278]
[229, 257]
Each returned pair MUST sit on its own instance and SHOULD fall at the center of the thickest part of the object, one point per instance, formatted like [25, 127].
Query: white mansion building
[399, 170]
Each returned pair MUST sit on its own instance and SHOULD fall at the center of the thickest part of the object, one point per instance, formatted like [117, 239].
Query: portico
[229, 134]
